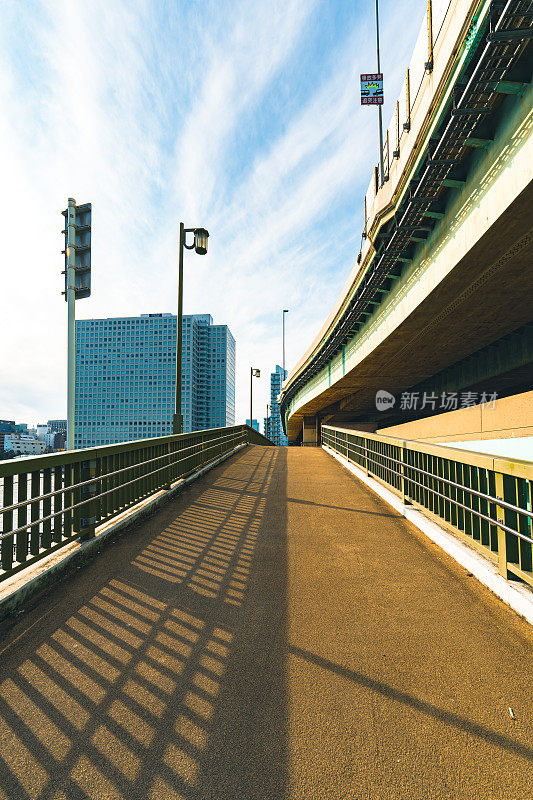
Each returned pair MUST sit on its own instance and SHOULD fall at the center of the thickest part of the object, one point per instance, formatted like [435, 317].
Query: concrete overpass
[437, 298]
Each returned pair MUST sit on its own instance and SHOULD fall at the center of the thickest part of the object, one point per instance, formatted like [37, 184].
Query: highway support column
[311, 432]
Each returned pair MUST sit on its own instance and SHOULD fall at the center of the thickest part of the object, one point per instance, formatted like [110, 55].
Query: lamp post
[254, 373]
[285, 311]
[267, 426]
[200, 245]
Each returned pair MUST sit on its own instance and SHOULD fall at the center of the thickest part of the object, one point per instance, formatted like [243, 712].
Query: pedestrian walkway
[276, 633]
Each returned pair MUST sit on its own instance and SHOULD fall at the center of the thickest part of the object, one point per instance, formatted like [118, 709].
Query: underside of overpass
[276, 633]
[483, 307]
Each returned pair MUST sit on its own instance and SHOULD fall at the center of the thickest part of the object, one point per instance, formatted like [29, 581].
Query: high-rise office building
[125, 377]
[275, 428]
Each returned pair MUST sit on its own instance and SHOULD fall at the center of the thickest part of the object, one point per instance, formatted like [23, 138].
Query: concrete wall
[510, 416]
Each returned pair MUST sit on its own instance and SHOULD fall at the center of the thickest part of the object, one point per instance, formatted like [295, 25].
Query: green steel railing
[487, 499]
[47, 501]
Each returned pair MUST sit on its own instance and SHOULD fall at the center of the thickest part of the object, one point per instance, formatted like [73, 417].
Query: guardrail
[47, 501]
[486, 499]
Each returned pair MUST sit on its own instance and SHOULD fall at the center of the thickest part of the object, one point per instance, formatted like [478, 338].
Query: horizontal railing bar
[34, 463]
[457, 503]
[90, 499]
[37, 498]
[448, 451]
[489, 497]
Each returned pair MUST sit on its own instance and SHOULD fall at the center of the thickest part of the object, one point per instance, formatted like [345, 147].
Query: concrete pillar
[310, 431]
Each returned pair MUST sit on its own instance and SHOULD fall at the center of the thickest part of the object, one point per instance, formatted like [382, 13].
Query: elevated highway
[440, 296]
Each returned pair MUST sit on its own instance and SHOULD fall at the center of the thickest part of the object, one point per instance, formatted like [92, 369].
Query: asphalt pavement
[275, 633]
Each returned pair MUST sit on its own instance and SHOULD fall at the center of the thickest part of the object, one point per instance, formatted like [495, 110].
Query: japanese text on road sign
[372, 89]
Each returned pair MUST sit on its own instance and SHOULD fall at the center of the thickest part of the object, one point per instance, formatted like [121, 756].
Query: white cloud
[145, 116]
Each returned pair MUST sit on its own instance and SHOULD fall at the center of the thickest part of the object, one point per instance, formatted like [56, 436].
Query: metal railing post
[167, 472]
[502, 535]
[485, 499]
[59, 498]
[88, 510]
[404, 480]
[7, 525]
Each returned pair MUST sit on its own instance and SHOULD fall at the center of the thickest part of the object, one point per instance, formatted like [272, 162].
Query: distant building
[42, 431]
[126, 377]
[23, 444]
[57, 425]
[10, 426]
[254, 424]
[55, 435]
[267, 426]
[6, 426]
[275, 427]
[55, 441]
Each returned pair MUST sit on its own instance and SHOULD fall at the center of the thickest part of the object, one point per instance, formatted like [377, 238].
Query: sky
[240, 117]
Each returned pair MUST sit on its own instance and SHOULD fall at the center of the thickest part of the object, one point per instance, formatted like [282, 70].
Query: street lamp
[200, 241]
[254, 373]
[267, 426]
[200, 245]
[285, 311]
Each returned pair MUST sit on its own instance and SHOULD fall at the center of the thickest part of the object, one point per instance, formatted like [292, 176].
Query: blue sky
[242, 117]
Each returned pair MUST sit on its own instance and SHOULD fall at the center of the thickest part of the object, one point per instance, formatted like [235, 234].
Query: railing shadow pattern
[168, 682]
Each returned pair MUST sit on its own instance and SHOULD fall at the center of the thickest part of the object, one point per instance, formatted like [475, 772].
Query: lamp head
[256, 373]
[200, 240]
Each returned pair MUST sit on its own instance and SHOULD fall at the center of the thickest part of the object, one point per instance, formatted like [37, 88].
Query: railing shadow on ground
[471, 728]
[165, 676]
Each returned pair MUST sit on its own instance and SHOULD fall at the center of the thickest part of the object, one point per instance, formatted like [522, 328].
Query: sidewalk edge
[518, 597]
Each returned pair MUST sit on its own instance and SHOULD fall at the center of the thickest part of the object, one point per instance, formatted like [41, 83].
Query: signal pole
[77, 285]
[71, 319]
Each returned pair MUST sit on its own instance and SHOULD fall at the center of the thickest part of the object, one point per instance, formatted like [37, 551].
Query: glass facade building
[273, 425]
[125, 377]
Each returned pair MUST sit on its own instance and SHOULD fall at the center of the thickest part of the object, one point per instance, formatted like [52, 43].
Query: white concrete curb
[39, 576]
[518, 596]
